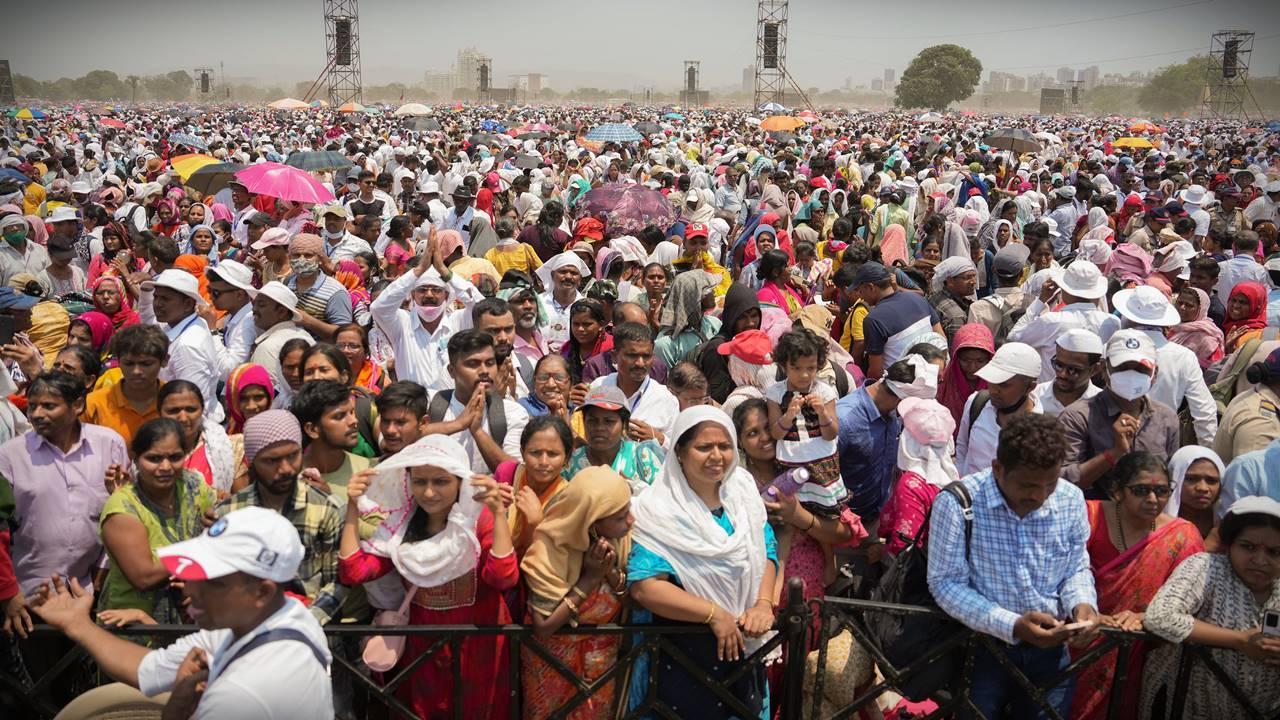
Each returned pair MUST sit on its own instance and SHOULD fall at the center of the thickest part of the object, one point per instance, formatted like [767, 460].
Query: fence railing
[796, 696]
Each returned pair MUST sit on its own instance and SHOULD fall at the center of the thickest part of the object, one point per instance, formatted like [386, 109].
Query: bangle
[581, 595]
[711, 615]
[573, 609]
[780, 425]
[813, 520]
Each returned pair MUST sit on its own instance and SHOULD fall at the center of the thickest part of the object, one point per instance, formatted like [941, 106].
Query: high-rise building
[439, 84]
[1089, 77]
[749, 79]
[877, 84]
[889, 79]
[1066, 75]
[466, 71]
[533, 82]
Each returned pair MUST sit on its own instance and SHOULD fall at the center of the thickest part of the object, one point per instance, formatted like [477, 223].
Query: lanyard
[183, 328]
[639, 395]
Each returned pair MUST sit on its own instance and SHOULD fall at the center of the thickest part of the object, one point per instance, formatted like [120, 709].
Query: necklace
[1120, 529]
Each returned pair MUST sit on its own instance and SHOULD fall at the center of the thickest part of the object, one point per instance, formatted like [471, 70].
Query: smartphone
[7, 328]
[1271, 622]
[1075, 627]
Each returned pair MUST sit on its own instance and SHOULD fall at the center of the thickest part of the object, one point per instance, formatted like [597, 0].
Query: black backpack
[906, 638]
[494, 410]
[1010, 314]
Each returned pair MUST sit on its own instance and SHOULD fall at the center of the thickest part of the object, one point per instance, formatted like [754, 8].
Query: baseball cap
[258, 218]
[696, 230]
[64, 213]
[870, 272]
[252, 540]
[753, 346]
[1012, 359]
[1081, 341]
[1012, 259]
[1146, 305]
[334, 209]
[1131, 346]
[179, 281]
[608, 397]
[272, 237]
[235, 274]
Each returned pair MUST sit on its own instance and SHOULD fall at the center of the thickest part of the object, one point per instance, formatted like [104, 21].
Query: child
[509, 254]
[802, 418]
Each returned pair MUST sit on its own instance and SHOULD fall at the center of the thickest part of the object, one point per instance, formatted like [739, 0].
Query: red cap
[696, 230]
[754, 346]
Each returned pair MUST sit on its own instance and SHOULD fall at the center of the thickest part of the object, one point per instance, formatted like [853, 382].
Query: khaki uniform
[1251, 422]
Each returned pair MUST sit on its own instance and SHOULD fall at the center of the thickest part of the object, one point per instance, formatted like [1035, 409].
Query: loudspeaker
[484, 77]
[691, 79]
[1075, 94]
[1229, 58]
[204, 83]
[771, 45]
[342, 34]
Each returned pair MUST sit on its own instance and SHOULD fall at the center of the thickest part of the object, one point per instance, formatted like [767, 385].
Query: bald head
[629, 312]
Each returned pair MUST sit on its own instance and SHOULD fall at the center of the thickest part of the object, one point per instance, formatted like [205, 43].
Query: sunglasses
[1141, 491]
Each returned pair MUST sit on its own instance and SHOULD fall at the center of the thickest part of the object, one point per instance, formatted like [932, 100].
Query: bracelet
[780, 425]
[573, 609]
[581, 595]
[813, 520]
[711, 615]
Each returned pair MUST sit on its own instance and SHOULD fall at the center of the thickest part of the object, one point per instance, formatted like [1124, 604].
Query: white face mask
[334, 235]
[430, 313]
[1130, 384]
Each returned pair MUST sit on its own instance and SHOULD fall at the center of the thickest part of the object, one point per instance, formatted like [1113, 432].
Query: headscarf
[893, 245]
[1094, 249]
[349, 274]
[749, 253]
[1128, 263]
[950, 268]
[450, 241]
[927, 441]
[196, 265]
[1201, 335]
[553, 562]
[167, 228]
[1179, 464]
[546, 271]
[1098, 218]
[683, 308]
[1256, 294]
[126, 315]
[924, 383]
[955, 243]
[955, 388]
[49, 325]
[100, 329]
[39, 232]
[242, 377]
[450, 553]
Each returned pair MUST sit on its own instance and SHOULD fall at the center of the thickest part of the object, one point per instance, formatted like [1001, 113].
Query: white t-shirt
[805, 443]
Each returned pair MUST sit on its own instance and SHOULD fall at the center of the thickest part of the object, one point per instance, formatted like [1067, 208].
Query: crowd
[491, 369]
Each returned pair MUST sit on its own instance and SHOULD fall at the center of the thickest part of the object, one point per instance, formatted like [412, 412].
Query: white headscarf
[927, 443]
[545, 272]
[1179, 464]
[449, 554]
[925, 384]
[950, 268]
[674, 523]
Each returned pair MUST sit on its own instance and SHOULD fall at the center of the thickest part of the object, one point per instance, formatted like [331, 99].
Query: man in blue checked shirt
[1026, 580]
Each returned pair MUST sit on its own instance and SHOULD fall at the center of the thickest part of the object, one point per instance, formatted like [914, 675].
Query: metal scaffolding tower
[1227, 74]
[771, 52]
[342, 49]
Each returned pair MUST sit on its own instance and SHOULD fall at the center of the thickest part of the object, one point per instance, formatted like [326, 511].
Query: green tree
[1176, 88]
[937, 77]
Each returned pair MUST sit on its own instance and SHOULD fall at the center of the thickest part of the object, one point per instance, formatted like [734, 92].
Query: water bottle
[788, 483]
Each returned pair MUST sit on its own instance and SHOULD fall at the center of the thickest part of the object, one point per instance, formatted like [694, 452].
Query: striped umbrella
[189, 140]
[614, 132]
[318, 161]
[26, 113]
[186, 165]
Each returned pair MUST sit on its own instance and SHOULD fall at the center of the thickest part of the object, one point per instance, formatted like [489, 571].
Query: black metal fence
[796, 696]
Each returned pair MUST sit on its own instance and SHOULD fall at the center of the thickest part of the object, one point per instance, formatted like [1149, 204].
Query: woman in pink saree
[1133, 548]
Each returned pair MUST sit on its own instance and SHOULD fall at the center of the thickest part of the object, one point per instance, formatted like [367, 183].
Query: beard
[527, 322]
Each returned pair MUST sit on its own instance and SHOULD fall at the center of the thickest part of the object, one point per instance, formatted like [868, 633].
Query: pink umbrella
[284, 182]
[111, 122]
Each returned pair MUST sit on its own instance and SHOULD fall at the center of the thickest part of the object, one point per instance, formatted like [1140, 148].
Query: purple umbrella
[626, 209]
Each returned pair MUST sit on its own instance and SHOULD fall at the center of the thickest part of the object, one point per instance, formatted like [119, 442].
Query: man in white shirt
[487, 424]
[339, 243]
[19, 254]
[1011, 384]
[1242, 266]
[275, 308]
[258, 652]
[1079, 287]
[561, 277]
[1180, 378]
[431, 196]
[172, 299]
[1266, 206]
[1077, 360]
[652, 406]
[231, 288]
[1193, 200]
[459, 216]
[242, 209]
[133, 214]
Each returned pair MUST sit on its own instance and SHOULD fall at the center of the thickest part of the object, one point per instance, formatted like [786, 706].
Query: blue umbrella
[189, 140]
[673, 116]
[9, 173]
[614, 132]
[1273, 126]
[492, 126]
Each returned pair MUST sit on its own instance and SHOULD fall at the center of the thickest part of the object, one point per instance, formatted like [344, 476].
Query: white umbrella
[1049, 137]
[415, 109]
[751, 120]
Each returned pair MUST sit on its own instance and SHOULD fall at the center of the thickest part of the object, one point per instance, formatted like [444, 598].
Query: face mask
[304, 267]
[333, 235]
[430, 313]
[1130, 384]
[16, 237]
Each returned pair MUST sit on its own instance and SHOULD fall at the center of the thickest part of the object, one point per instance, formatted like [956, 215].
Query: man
[1024, 578]
[1181, 379]
[652, 407]
[605, 418]
[326, 411]
[523, 301]
[275, 308]
[1253, 473]
[1078, 289]
[1193, 199]
[459, 216]
[241, 209]
[323, 301]
[1252, 420]
[487, 424]
[1242, 266]
[232, 291]
[436, 209]
[1062, 210]
[339, 243]
[1011, 382]
[419, 336]
[142, 351]
[1204, 276]
[1120, 419]
[402, 415]
[561, 277]
[367, 204]
[256, 225]
[1148, 236]
[955, 280]
[1265, 206]
[515, 373]
[17, 253]
[172, 299]
[258, 653]
[1001, 310]
[273, 454]
[895, 320]
[1075, 363]
[1228, 211]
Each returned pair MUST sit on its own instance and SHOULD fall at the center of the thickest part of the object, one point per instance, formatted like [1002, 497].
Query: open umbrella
[527, 161]
[318, 160]
[1144, 126]
[568, 126]
[26, 113]
[627, 209]
[413, 109]
[484, 138]
[288, 104]
[783, 136]
[771, 107]
[425, 124]
[284, 182]
[111, 123]
[647, 128]
[189, 140]
[1134, 142]
[1013, 139]
[8, 173]
[212, 178]
[351, 106]
[492, 126]
[186, 165]
[1273, 126]
[781, 122]
[673, 116]
[929, 117]
[614, 132]
[318, 103]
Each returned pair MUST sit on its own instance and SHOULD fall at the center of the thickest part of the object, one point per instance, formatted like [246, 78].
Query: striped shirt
[325, 300]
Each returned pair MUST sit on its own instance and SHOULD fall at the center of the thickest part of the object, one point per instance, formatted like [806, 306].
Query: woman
[440, 542]
[1196, 473]
[93, 330]
[115, 243]
[775, 278]
[685, 321]
[893, 246]
[1197, 332]
[210, 452]
[763, 240]
[167, 218]
[163, 504]
[1217, 599]
[291, 368]
[1133, 548]
[545, 445]
[924, 459]
[202, 242]
[931, 249]
[323, 361]
[249, 391]
[1246, 315]
[353, 340]
[973, 347]
[399, 249]
[575, 572]
[588, 335]
[703, 553]
[545, 236]
[550, 392]
[655, 278]
[111, 298]
[351, 275]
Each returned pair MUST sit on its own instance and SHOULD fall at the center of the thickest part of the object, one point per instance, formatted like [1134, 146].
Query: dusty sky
[633, 44]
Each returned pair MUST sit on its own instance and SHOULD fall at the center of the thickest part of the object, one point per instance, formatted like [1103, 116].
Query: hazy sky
[613, 44]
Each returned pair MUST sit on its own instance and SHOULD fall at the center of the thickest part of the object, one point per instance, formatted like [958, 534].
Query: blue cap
[11, 299]
[869, 272]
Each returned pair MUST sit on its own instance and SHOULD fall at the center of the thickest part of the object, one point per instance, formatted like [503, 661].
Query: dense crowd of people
[492, 368]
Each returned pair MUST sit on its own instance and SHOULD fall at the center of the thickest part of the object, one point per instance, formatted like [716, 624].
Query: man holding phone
[1066, 302]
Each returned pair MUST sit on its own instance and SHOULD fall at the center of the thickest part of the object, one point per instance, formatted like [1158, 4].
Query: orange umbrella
[1145, 126]
[781, 122]
[351, 107]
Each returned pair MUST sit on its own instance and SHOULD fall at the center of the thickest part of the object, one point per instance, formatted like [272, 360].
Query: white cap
[281, 294]
[1012, 359]
[1081, 341]
[431, 186]
[252, 540]
[1272, 187]
[692, 196]
[179, 281]
[234, 274]
[1193, 195]
[1146, 305]
[64, 213]
[1131, 346]
[81, 187]
[1255, 504]
[271, 237]
[1083, 279]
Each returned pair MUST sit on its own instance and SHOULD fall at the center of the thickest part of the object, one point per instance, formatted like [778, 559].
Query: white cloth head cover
[927, 443]
[673, 522]
[451, 553]
[951, 267]
[631, 248]
[745, 374]
[925, 384]
[1179, 464]
[565, 258]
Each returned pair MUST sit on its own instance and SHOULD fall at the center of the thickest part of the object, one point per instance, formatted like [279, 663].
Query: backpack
[494, 410]
[980, 400]
[1010, 314]
[905, 639]
[841, 375]
[1223, 388]
[524, 366]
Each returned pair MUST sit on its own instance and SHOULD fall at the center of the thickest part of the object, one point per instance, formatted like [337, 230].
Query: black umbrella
[568, 126]
[647, 128]
[426, 123]
[535, 135]
[319, 160]
[483, 139]
[212, 178]
[525, 161]
[1014, 139]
